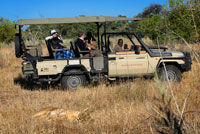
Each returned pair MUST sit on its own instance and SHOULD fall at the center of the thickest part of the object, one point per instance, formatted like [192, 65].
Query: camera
[57, 34]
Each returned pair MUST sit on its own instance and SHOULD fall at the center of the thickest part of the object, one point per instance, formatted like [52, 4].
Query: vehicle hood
[176, 53]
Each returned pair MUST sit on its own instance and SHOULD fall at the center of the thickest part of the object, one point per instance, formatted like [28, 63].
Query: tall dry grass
[126, 107]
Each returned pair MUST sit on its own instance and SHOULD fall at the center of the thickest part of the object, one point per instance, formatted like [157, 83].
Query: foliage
[178, 16]
[180, 21]
[7, 30]
[151, 27]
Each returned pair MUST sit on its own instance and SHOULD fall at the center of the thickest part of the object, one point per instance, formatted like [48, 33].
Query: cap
[53, 32]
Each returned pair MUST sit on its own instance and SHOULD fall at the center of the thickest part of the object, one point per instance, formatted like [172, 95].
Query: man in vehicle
[55, 39]
[118, 47]
[83, 47]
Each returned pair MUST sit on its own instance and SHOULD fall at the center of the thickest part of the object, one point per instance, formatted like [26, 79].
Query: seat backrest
[98, 63]
[111, 50]
[75, 48]
[51, 55]
[81, 55]
[34, 50]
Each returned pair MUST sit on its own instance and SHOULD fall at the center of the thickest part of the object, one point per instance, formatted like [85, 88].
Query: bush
[177, 16]
[7, 30]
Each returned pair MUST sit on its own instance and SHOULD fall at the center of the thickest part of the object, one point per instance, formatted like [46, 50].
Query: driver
[118, 47]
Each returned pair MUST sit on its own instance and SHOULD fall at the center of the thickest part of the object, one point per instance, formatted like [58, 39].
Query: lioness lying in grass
[56, 114]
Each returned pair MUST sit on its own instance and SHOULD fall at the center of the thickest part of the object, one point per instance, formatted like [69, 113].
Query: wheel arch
[160, 64]
[77, 67]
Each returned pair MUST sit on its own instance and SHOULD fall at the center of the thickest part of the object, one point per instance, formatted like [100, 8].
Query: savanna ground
[129, 107]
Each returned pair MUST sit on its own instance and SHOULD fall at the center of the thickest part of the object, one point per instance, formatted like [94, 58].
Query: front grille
[188, 59]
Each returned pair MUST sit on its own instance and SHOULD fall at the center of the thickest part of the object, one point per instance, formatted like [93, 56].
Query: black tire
[73, 81]
[18, 48]
[174, 74]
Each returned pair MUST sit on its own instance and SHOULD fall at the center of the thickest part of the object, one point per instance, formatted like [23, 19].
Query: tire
[73, 81]
[18, 48]
[174, 74]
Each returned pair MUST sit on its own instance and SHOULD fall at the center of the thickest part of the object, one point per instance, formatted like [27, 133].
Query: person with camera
[55, 39]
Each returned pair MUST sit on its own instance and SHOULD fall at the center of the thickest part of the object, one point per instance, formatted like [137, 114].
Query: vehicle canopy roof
[86, 19]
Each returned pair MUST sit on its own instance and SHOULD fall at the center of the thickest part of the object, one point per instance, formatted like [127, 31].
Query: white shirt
[51, 37]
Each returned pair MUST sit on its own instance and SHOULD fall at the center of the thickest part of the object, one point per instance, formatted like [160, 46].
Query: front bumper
[188, 62]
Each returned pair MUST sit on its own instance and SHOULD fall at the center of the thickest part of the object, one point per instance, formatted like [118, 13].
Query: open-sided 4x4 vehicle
[139, 60]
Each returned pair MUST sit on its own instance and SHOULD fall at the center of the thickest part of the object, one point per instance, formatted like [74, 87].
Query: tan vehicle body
[125, 64]
[57, 66]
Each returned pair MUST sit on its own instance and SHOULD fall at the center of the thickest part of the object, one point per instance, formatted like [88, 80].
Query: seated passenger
[91, 41]
[83, 47]
[55, 39]
[118, 47]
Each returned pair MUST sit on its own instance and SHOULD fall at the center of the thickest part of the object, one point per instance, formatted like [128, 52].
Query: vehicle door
[138, 60]
[138, 63]
[117, 64]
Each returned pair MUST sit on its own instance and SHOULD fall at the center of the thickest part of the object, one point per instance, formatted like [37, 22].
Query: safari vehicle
[139, 60]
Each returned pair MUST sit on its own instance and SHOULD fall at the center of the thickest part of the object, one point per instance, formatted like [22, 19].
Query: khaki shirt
[117, 48]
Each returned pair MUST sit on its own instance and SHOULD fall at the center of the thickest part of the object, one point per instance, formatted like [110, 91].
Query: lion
[57, 114]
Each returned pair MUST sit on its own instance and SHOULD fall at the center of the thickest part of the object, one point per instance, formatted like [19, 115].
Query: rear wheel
[73, 81]
[173, 73]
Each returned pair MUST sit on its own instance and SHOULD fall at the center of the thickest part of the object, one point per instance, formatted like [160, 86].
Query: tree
[180, 21]
[179, 16]
[153, 9]
[184, 19]
[7, 30]
[151, 27]
[150, 23]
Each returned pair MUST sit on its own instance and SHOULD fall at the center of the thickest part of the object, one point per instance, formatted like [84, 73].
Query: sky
[30, 9]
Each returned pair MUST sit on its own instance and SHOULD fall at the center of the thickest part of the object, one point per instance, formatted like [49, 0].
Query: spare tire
[18, 47]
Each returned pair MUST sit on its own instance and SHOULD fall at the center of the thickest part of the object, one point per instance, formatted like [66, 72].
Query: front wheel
[173, 73]
[73, 81]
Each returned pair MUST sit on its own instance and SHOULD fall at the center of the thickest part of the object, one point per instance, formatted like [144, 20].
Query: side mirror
[137, 49]
[125, 46]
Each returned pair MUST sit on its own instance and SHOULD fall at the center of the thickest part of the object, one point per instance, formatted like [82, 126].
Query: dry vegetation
[128, 107]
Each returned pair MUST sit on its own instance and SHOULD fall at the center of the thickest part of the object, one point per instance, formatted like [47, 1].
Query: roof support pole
[105, 44]
[98, 34]
[99, 25]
